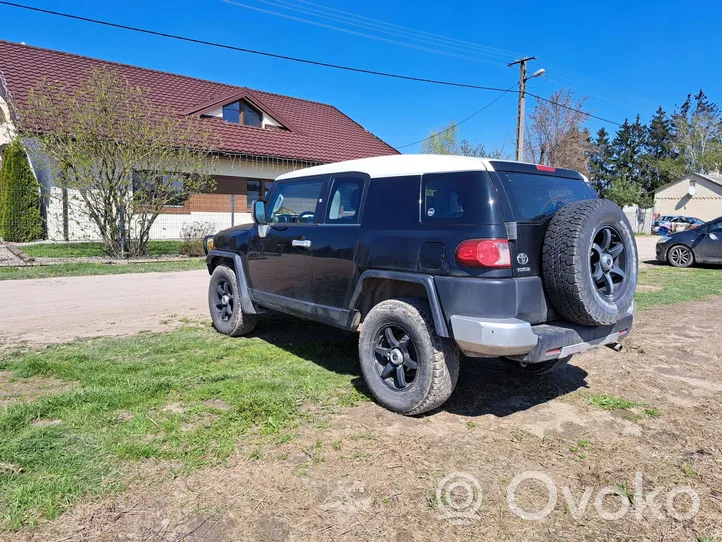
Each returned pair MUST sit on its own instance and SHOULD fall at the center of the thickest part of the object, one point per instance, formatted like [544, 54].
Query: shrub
[192, 234]
[20, 218]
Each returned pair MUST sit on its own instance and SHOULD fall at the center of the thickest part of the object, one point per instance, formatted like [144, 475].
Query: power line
[354, 20]
[454, 125]
[250, 51]
[570, 108]
[291, 58]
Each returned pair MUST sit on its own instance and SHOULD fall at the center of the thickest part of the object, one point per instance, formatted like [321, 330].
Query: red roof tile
[317, 132]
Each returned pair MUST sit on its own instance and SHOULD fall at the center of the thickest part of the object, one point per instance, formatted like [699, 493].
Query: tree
[698, 134]
[629, 148]
[663, 160]
[556, 135]
[122, 156]
[20, 218]
[445, 141]
[623, 191]
[631, 171]
[600, 156]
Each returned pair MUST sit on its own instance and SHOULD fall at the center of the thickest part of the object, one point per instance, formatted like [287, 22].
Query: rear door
[709, 249]
[533, 194]
[279, 258]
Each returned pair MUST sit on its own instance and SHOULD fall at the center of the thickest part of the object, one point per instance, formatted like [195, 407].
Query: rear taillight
[484, 253]
[546, 168]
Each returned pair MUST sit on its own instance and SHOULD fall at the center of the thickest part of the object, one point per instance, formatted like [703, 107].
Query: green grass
[86, 250]
[78, 269]
[188, 396]
[610, 402]
[677, 285]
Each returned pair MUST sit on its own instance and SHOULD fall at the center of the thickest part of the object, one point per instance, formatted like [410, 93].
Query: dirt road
[646, 245]
[43, 311]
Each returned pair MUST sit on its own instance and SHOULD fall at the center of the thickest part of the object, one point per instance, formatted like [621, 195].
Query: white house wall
[7, 130]
[168, 225]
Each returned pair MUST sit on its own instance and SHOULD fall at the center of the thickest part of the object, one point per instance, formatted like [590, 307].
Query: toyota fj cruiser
[428, 256]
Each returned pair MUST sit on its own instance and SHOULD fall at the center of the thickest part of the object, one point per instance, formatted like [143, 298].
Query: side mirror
[258, 211]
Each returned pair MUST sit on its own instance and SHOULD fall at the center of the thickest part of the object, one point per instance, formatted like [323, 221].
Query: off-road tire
[535, 369]
[566, 266]
[438, 358]
[674, 263]
[239, 323]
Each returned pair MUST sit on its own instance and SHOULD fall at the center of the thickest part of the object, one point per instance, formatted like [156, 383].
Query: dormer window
[241, 112]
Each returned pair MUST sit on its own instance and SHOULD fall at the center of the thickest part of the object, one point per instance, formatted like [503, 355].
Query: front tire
[407, 366]
[224, 302]
[680, 256]
[535, 369]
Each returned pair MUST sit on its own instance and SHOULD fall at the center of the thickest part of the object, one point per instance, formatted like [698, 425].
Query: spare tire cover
[589, 262]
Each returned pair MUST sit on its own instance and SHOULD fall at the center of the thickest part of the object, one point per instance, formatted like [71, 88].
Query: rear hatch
[530, 196]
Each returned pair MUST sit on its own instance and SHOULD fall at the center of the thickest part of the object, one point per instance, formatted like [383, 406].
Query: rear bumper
[511, 337]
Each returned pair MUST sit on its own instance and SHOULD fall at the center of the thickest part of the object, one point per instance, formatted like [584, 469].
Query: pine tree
[600, 158]
[631, 170]
[20, 218]
[662, 158]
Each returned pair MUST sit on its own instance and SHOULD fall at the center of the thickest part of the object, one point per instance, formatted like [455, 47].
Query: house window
[148, 187]
[256, 189]
[242, 112]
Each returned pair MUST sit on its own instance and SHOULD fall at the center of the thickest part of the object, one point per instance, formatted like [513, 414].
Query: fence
[64, 217]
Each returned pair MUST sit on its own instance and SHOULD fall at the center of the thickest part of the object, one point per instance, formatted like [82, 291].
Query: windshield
[534, 197]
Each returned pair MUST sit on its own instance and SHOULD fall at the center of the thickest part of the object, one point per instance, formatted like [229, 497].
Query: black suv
[431, 255]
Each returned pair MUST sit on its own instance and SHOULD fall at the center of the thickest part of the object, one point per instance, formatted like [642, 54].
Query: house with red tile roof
[260, 134]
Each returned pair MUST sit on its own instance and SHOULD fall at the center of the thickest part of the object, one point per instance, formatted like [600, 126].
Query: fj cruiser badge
[522, 258]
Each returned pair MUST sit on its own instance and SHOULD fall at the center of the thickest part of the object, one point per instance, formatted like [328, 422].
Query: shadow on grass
[485, 386]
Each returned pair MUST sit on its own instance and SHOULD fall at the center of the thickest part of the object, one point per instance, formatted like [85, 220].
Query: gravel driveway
[43, 311]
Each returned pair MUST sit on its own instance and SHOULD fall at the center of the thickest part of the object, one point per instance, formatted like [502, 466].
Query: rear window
[535, 197]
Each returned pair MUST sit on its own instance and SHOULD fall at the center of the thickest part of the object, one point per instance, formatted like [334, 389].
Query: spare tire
[589, 262]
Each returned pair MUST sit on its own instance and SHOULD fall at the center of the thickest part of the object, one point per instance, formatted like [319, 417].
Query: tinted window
[535, 197]
[392, 202]
[716, 228]
[457, 198]
[345, 200]
[232, 112]
[251, 115]
[295, 202]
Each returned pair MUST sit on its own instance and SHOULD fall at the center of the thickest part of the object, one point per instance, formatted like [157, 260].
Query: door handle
[301, 243]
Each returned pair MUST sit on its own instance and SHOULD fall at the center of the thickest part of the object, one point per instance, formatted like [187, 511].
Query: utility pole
[520, 113]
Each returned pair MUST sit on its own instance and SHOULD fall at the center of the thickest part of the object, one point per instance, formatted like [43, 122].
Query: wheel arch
[234, 261]
[375, 286]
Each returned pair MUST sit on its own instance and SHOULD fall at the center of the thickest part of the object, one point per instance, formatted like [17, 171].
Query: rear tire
[224, 302]
[535, 369]
[406, 365]
[680, 256]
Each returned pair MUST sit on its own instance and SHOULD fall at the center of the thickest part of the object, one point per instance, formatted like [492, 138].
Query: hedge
[20, 218]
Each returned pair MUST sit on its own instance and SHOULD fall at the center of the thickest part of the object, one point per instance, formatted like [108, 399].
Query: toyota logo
[522, 258]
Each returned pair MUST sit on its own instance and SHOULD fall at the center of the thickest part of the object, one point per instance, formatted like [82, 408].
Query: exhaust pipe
[617, 347]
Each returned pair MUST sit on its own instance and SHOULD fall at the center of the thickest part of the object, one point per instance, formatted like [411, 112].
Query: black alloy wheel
[608, 261]
[224, 302]
[396, 358]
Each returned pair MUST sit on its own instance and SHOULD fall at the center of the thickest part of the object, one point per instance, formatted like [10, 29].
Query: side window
[345, 200]
[715, 228]
[443, 199]
[295, 202]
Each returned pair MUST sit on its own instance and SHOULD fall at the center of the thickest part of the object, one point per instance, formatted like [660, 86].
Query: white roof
[396, 166]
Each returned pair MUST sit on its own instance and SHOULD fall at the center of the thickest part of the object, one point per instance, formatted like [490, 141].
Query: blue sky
[628, 57]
